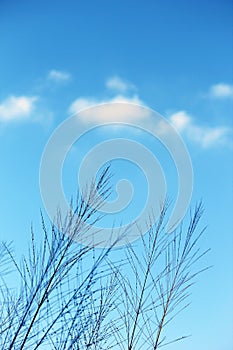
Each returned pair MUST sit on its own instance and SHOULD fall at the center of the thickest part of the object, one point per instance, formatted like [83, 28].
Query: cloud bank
[185, 124]
[22, 108]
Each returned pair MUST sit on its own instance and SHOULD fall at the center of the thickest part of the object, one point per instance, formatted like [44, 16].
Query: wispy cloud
[118, 84]
[221, 91]
[203, 135]
[17, 108]
[59, 76]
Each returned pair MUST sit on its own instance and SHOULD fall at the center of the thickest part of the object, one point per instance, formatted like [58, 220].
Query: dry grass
[77, 297]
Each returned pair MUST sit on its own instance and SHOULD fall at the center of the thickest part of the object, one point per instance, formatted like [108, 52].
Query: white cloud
[204, 136]
[58, 76]
[111, 112]
[82, 103]
[15, 108]
[180, 120]
[122, 110]
[118, 84]
[208, 137]
[86, 102]
[221, 90]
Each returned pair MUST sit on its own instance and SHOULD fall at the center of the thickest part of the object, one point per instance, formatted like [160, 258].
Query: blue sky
[174, 57]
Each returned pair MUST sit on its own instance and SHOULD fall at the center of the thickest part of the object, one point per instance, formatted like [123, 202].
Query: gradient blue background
[173, 52]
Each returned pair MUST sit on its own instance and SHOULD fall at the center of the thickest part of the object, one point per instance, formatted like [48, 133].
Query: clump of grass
[77, 297]
[156, 285]
[63, 298]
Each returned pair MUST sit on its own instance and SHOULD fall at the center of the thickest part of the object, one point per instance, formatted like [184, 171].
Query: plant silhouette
[81, 297]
